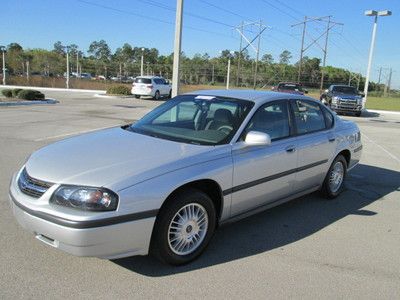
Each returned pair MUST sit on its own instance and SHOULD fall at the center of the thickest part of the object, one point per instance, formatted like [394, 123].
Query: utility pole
[212, 74]
[27, 71]
[3, 49]
[302, 48]
[240, 30]
[141, 63]
[380, 73]
[239, 57]
[325, 52]
[77, 64]
[324, 49]
[177, 48]
[67, 81]
[228, 72]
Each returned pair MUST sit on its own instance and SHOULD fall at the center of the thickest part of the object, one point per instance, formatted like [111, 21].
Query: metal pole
[302, 47]
[141, 64]
[358, 81]
[212, 74]
[4, 68]
[325, 52]
[27, 71]
[350, 77]
[380, 73]
[228, 73]
[371, 50]
[177, 48]
[257, 57]
[77, 64]
[67, 82]
[239, 57]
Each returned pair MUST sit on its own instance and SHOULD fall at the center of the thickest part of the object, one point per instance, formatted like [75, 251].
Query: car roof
[251, 95]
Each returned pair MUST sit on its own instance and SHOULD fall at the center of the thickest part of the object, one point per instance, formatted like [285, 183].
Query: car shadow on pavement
[282, 225]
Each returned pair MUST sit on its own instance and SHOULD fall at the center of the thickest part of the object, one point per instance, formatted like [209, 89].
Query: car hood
[109, 157]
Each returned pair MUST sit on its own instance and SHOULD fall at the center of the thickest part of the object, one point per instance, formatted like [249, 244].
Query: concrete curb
[103, 95]
[51, 89]
[30, 102]
[384, 111]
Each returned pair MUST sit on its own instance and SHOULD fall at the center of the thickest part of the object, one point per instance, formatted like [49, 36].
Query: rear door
[263, 174]
[316, 143]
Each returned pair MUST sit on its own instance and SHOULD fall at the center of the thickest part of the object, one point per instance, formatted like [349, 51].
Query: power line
[224, 9]
[281, 10]
[291, 8]
[150, 18]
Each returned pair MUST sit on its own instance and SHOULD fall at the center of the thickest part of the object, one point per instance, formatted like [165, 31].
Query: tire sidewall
[329, 193]
[157, 95]
[160, 246]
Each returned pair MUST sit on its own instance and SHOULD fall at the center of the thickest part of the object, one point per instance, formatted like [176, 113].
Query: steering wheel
[225, 129]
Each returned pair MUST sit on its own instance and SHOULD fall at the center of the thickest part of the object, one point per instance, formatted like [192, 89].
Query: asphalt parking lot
[309, 248]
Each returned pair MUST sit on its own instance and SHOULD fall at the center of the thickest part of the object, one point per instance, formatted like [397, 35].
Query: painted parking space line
[70, 134]
[383, 149]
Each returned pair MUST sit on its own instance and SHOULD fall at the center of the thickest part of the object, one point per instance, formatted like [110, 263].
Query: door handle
[332, 139]
[290, 148]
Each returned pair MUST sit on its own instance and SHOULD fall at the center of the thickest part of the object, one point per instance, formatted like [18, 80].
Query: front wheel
[358, 114]
[334, 180]
[184, 227]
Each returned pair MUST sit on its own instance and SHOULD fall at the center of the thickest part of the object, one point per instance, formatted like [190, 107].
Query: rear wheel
[137, 96]
[184, 227]
[170, 94]
[157, 95]
[334, 180]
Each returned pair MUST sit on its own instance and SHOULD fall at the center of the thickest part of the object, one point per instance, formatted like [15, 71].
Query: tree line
[198, 69]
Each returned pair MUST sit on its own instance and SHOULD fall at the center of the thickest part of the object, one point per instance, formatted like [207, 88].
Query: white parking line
[69, 134]
[386, 151]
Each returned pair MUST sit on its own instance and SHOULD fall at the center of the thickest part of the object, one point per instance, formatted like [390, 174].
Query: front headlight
[335, 99]
[85, 198]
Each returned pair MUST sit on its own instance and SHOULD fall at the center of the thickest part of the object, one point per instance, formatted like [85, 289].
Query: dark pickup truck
[343, 99]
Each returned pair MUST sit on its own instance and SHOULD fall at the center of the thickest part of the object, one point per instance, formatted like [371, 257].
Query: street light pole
[3, 49]
[141, 63]
[371, 49]
[228, 74]
[177, 48]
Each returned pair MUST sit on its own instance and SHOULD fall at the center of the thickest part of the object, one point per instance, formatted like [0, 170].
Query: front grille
[31, 186]
[347, 103]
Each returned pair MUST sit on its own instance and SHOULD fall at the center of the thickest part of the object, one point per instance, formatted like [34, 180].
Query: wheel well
[207, 186]
[346, 154]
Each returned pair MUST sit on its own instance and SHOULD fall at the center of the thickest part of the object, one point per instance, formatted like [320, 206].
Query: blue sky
[149, 23]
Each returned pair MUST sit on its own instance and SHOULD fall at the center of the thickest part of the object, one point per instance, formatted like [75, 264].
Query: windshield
[344, 90]
[290, 87]
[200, 120]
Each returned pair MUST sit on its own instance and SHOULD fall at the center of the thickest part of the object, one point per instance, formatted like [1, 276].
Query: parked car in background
[290, 87]
[194, 162]
[343, 99]
[153, 86]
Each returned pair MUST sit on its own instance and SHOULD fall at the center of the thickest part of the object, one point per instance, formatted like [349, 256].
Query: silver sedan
[165, 183]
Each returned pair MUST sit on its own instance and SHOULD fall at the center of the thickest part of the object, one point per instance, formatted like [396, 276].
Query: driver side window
[271, 118]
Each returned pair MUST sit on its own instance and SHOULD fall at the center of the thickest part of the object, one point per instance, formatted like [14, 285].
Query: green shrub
[15, 92]
[30, 95]
[7, 93]
[119, 90]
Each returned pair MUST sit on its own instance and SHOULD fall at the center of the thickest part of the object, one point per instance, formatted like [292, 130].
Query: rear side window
[308, 116]
[143, 80]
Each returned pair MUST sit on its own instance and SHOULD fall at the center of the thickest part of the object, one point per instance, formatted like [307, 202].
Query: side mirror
[361, 94]
[257, 138]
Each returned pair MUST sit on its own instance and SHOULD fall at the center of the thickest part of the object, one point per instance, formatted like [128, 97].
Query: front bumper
[122, 239]
[346, 107]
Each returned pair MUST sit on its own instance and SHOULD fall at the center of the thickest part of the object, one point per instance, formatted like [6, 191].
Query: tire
[157, 95]
[170, 94]
[164, 247]
[333, 189]
[137, 96]
[358, 114]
